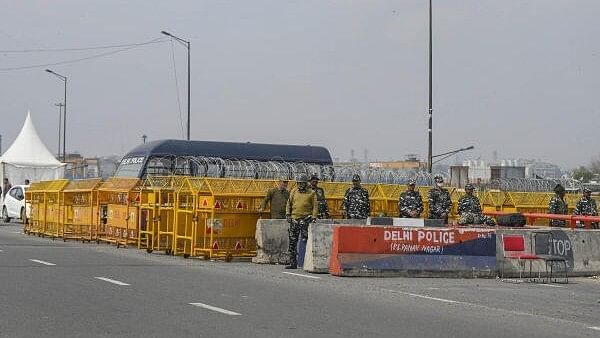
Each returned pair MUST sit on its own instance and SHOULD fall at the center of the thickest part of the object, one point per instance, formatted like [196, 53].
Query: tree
[583, 174]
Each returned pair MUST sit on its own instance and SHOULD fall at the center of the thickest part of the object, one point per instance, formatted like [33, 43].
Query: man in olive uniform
[301, 210]
[469, 209]
[586, 206]
[558, 206]
[439, 200]
[278, 198]
[323, 208]
[356, 204]
[410, 203]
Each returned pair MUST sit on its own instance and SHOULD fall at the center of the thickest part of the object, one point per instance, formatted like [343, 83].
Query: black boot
[292, 265]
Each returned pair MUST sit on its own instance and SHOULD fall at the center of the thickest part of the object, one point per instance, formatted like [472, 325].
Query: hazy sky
[519, 77]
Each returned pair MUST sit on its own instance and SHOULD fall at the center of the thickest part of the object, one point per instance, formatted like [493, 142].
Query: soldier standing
[356, 203]
[469, 209]
[301, 210]
[439, 200]
[410, 203]
[323, 208]
[558, 206]
[586, 206]
[278, 197]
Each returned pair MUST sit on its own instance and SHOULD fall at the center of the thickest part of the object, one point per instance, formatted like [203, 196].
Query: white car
[14, 205]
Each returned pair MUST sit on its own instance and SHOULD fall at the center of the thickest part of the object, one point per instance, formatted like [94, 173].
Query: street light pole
[64, 78]
[59, 105]
[430, 154]
[187, 44]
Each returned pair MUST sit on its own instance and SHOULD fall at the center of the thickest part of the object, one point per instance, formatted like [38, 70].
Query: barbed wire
[201, 166]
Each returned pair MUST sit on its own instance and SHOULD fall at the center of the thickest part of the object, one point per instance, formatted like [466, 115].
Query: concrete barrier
[413, 252]
[318, 247]
[272, 241]
[580, 248]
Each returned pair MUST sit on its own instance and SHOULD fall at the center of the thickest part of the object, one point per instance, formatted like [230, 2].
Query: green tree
[583, 174]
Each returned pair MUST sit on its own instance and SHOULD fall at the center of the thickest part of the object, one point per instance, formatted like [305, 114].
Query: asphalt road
[70, 289]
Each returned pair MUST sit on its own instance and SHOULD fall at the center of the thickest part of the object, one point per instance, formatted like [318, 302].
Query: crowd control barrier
[117, 202]
[80, 199]
[47, 208]
[36, 197]
[157, 213]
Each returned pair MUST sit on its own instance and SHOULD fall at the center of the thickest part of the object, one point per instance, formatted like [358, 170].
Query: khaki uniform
[278, 199]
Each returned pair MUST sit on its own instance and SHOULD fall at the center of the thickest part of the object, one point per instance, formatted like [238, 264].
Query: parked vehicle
[14, 205]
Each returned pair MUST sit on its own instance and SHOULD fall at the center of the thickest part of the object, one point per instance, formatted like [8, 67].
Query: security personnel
[410, 203]
[558, 206]
[356, 204]
[323, 208]
[301, 210]
[439, 200]
[586, 206]
[278, 198]
[469, 209]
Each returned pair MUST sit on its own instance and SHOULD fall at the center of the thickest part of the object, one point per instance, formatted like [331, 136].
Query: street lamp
[59, 105]
[430, 154]
[187, 45]
[64, 78]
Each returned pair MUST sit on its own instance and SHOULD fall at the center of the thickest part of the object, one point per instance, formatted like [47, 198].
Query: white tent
[28, 158]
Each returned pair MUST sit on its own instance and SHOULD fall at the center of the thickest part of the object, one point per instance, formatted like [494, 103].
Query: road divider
[301, 275]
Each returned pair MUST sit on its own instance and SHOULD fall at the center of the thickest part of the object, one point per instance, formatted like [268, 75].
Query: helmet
[356, 177]
[469, 186]
[412, 181]
[302, 178]
[438, 179]
[314, 177]
[559, 189]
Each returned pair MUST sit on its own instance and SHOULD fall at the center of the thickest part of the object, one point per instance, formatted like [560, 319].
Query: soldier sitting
[410, 203]
[469, 209]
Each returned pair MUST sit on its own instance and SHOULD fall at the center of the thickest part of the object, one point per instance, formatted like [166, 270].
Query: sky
[516, 77]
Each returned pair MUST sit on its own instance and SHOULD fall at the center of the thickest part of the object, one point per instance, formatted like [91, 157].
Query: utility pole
[59, 105]
[144, 138]
[430, 154]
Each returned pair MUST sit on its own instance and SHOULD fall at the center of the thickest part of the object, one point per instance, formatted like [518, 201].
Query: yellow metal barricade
[81, 209]
[156, 221]
[225, 215]
[54, 208]
[36, 197]
[118, 200]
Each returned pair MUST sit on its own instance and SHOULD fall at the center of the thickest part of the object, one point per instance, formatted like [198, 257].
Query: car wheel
[5, 217]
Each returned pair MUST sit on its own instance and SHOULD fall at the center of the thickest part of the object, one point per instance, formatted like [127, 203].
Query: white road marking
[1, 250]
[552, 286]
[42, 262]
[16, 232]
[594, 328]
[301, 275]
[112, 281]
[425, 297]
[216, 309]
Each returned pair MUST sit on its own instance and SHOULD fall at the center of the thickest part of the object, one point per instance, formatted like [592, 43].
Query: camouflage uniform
[323, 208]
[557, 206]
[439, 203]
[469, 209]
[586, 206]
[410, 201]
[301, 210]
[356, 203]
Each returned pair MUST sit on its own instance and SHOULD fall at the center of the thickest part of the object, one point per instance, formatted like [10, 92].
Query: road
[53, 288]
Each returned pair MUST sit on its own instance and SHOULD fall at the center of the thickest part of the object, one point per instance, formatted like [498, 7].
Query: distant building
[410, 162]
[79, 167]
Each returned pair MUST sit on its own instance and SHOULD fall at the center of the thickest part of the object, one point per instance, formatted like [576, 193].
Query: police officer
[586, 206]
[356, 204]
[323, 208]
[469, 209]
[439, 200]
[558, 206]
[278, 198]
[410, 203]
[301, 210]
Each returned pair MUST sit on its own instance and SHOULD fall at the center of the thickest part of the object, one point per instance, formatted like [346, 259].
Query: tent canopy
[29, 150]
